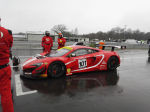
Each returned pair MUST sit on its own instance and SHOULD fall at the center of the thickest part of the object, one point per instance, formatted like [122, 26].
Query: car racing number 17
[82, 63]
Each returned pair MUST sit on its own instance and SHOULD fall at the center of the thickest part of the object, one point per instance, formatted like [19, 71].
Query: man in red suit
[61, 41]
[6, 41]
[47, 42]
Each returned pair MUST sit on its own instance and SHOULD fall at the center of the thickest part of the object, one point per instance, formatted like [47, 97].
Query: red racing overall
[6, 41]
[47, 43]
[61, 42]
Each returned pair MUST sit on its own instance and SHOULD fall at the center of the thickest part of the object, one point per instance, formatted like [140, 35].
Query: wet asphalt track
[124, 90]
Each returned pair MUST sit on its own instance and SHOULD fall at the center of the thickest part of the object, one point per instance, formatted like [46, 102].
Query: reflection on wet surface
[83, 82]
[148, 60]
[16, 68]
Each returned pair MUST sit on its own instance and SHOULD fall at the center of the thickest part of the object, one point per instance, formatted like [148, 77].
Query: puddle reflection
[83, 82]
[16, 68]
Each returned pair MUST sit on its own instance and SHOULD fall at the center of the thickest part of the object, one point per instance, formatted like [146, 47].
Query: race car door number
[82, 63]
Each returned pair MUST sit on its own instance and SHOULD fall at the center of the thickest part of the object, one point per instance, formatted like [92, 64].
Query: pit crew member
[6, 41]
[61, 41]
[47, 42]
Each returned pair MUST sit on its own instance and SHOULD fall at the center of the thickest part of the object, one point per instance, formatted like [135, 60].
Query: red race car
[69, 60]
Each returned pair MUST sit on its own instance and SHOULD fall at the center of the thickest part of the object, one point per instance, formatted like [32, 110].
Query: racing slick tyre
[149, 52]
[112, 63]
[56, 69]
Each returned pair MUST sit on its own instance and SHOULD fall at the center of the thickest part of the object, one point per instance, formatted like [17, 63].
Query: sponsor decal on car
[43, 75]
[46, 63]
[102, 67]
[104, 63]
[68, 70]
[92, 66]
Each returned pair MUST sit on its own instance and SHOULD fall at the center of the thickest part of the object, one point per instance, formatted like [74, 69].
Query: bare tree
[117, 30]
[59, 28]
[76, 31]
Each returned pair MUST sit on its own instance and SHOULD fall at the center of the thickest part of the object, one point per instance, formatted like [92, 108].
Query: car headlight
[37, 64]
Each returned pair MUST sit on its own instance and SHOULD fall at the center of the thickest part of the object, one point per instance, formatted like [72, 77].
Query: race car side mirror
[72, 55]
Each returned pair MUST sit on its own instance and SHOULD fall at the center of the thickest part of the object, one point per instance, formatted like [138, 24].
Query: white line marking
[14, 66]
[25, 56]
[70, 62]
[19, 91]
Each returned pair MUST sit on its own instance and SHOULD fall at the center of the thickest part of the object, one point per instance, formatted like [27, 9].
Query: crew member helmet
[60, 35]
[47, 33]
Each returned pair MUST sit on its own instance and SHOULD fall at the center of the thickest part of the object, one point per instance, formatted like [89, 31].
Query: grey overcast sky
[86, 15]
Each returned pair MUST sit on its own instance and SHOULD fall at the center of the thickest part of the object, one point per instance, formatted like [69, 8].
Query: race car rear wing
[79, 43]
[112, 47]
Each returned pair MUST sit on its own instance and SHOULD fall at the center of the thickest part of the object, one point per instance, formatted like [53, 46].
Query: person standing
[149, 47]
[6, 42]
[61, 41]
[47, 42]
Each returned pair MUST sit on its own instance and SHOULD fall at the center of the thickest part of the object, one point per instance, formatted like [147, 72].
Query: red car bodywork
[92, 60]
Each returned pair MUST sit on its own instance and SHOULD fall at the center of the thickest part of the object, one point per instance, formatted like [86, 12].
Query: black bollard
[16, 61]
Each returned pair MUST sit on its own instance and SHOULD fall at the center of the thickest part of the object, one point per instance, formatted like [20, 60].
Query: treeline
[118, 33]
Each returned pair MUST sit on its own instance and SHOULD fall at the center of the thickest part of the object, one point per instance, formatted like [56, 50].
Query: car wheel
[112, 63]
[56, 69]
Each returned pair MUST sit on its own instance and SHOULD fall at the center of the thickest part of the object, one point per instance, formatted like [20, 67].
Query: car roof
[79, 47]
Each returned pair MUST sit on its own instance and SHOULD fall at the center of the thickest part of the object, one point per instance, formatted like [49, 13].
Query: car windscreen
[59, 52]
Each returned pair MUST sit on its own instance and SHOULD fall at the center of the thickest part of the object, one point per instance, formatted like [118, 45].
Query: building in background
[37, 36]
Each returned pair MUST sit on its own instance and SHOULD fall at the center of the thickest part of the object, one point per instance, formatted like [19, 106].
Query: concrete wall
[33, 45]
[31, 37]
[34, 37]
